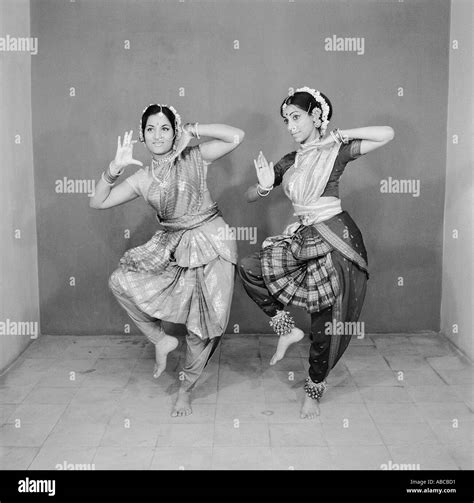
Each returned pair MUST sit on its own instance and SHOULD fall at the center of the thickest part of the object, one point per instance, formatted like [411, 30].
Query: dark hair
[306, 102]
[155, 109]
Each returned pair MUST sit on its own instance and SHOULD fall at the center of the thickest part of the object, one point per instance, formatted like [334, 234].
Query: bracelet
[266, 190]
[334, 137]
[119, 172]
[192, 129]
[338, 132]
[110, 179]
[104, 177]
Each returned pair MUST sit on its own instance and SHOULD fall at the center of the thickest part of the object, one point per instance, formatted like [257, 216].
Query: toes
[181, 412]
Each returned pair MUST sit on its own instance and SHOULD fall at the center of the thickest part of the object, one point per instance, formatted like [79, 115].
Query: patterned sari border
[340, 245]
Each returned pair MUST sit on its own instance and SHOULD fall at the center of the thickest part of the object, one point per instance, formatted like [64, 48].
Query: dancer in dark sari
[319, 263]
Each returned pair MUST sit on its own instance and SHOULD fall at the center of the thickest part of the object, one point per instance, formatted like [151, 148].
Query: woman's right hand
[124, 154]
[265, 173]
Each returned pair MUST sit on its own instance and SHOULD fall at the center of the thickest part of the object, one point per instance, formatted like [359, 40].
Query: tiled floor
[92, 401]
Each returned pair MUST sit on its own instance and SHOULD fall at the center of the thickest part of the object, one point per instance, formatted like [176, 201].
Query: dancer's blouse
[310, 179]
[194, 232]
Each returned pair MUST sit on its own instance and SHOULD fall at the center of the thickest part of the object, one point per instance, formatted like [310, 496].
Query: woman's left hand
[184, 140]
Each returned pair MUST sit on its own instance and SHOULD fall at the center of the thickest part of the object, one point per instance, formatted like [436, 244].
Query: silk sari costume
[185, 272]
[318, 263]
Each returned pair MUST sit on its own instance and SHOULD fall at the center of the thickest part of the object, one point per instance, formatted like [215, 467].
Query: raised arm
[266, 179]
[372, 137]
[106, 195]
[226, 139]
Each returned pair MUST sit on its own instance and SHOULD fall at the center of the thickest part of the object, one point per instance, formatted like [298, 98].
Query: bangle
[334, 136]
[266, 190]
[108, 178]
[338, 132]
[104, 177]
[192, 129]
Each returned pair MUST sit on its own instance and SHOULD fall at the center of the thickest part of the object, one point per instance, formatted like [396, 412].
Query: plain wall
[191, 46]
[19, 300]
[457, 302]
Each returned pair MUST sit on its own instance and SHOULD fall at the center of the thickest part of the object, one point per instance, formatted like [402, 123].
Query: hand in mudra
[124, 154]
[265, 173]
[183, 141]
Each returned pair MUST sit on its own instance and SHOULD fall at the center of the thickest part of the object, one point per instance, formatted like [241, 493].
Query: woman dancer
[319, 263]
[185, 272]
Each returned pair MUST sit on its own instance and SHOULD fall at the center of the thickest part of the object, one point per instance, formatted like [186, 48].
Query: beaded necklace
[168, 160]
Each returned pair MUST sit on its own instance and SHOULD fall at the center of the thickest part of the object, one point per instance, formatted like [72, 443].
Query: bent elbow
[93, 204]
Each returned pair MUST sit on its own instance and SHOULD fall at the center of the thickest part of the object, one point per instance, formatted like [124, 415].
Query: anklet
[282, 323]
[314, 390]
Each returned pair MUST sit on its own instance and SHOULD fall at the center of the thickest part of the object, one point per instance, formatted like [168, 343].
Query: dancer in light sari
[318, 263]
[185, 272]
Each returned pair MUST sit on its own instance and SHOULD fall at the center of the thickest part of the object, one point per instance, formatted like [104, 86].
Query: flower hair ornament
[177, 121]
[320, 113]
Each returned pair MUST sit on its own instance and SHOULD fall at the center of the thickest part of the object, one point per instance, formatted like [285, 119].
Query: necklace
[163, 181]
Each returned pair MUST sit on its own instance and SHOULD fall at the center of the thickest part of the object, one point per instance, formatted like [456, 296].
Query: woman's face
[159, 134]
[300, 124]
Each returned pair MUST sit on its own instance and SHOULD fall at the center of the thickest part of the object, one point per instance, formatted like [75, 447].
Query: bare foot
[167, 344]
[310, 408]
[182, 407]
[284, 342]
